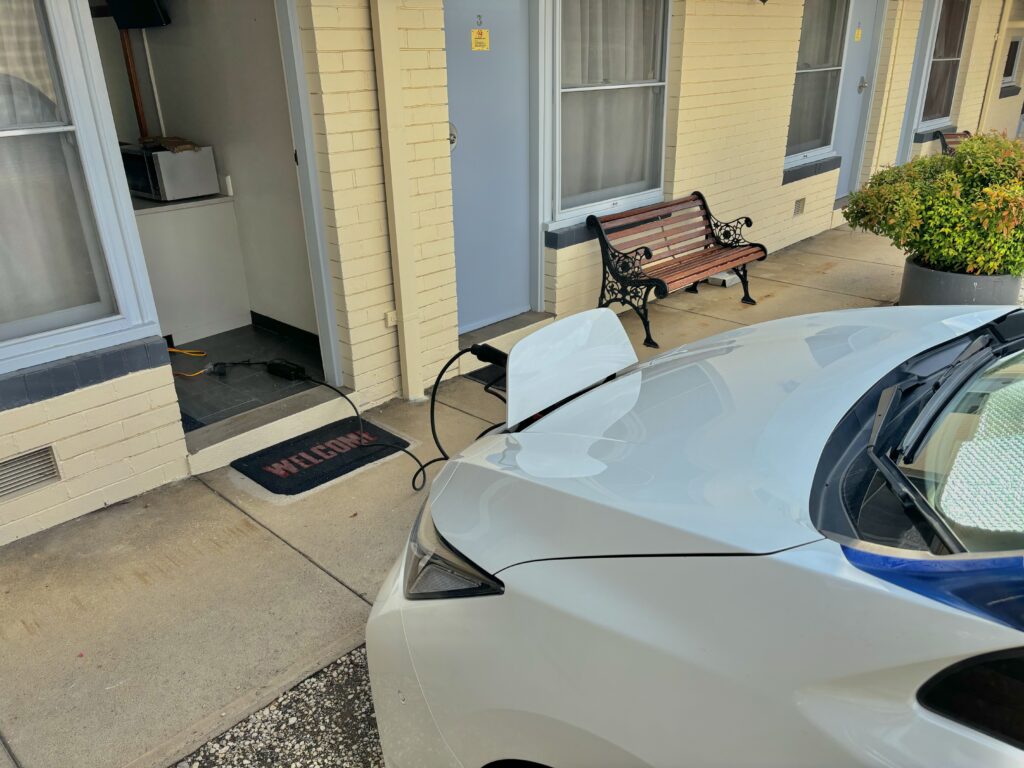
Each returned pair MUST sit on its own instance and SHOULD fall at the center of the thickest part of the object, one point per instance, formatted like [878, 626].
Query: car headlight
[434, 569]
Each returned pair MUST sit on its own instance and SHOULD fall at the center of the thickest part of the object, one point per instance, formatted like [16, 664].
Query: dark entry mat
[304, 462]
[489, 374]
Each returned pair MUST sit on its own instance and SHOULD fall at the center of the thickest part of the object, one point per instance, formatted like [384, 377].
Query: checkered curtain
[28, 92]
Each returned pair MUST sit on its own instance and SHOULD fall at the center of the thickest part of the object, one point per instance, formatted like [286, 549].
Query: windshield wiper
[901, 485]
[977, 355]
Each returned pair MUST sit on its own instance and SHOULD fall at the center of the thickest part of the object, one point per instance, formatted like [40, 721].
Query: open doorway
[200, 105]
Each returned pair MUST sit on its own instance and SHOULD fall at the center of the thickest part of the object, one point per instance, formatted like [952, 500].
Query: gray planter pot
[922, 285]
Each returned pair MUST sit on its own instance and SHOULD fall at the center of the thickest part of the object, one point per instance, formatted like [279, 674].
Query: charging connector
[485, 353]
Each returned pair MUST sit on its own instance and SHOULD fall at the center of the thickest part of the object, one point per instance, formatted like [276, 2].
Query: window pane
[952, 23]
[822, 34]
[52, 266]
[611, 41]
[611, 143]
[938, 99]
[1011, 60]
[814, 111]
[29, 94]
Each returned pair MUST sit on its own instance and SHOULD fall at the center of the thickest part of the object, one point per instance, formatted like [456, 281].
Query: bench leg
[648, 339]
[741, 273]
[692, 288]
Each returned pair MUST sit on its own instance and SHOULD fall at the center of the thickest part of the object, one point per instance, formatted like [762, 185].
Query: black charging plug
[485, 353]
[284, 369]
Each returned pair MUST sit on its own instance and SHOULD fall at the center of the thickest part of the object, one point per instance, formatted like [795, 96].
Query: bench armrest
[728, 233]
[627, 267]
[624, 267]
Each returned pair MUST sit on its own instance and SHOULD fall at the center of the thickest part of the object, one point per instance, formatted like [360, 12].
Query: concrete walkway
[133, 635]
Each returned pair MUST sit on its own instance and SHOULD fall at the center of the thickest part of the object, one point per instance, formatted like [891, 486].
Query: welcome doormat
[304, 462]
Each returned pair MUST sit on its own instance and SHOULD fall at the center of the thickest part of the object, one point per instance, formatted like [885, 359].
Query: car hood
[709, 449]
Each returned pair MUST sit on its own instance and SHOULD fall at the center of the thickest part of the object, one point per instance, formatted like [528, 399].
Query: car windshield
[970, 467]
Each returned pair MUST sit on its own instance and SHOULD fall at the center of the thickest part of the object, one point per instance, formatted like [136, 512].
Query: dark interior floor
[206, 399]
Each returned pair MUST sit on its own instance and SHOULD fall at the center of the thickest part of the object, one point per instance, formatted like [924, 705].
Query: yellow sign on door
[858, 34]
[480, 39]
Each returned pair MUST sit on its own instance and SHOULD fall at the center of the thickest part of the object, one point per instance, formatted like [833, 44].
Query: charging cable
[285, 369]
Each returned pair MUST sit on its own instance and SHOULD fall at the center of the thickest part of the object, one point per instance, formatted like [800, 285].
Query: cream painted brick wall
[338, 53]
[730, 83]
[113, 441]
[737, 67]
[892, 85]
[338, 47]
[1004, 113]
[979, 47]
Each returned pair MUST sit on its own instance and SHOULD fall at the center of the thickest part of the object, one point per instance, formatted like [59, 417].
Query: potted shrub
[959, 218]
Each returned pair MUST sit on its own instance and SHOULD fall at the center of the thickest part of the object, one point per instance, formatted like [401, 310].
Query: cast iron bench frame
[950, 141]
[685, 244]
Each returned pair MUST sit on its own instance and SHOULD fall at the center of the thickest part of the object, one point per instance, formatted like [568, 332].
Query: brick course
[112, 441]
[338, 46]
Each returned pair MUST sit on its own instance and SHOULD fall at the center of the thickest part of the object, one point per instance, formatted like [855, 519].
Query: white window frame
[821, 153]
[74, 42]
[1014, 76]
[936, 13]
[566, 217]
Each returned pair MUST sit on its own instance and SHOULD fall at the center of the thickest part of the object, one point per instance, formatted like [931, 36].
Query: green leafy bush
[962, 213]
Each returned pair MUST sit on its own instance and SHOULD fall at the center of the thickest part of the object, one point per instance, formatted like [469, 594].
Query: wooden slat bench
[950, 141]
[667, 247]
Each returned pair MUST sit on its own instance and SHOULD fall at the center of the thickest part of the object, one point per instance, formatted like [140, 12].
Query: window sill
[567, 236]
[41, 382]
[1009, 90]
[573, 230]
[813, 168]
[927, 135]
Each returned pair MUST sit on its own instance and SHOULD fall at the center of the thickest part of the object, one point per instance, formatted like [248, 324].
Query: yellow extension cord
[188, 353]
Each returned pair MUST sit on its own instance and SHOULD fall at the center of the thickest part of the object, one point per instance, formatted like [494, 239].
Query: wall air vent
[798, 206]
[27, 471]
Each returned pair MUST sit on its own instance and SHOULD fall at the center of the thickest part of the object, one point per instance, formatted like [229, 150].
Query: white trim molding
[77, 56]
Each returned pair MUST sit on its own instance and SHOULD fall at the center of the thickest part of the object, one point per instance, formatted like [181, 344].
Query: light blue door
[489, 108]
[855, 94]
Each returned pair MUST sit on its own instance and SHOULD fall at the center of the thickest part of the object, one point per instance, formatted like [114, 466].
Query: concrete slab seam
[284, 541]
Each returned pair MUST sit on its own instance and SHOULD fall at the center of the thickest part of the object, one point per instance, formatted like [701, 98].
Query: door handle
[862, 85]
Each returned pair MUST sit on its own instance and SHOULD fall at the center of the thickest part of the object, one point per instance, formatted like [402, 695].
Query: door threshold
[220, 443]
[501, 328]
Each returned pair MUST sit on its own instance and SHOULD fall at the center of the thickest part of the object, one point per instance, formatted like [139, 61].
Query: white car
[794, 544]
